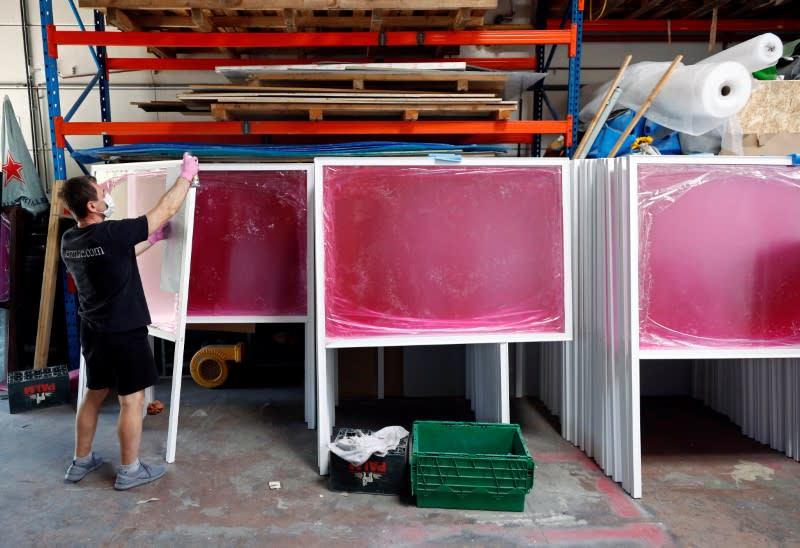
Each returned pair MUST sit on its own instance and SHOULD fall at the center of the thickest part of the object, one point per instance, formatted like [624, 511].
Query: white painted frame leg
[325, 407]
[381, 373]
[183, 302]
[81, 379]
[505, 386]
[309, 383]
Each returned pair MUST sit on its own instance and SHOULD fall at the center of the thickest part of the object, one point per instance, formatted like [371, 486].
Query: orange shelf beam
[57, 38]
[497, 129]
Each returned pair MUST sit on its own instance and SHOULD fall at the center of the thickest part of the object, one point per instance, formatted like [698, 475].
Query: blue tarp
[366, 148]
[665, 140]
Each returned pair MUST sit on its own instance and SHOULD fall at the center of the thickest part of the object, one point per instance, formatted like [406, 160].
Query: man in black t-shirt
[101, 257]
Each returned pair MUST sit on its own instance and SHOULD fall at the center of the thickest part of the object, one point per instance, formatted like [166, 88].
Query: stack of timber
[292, 15]
[322, 92]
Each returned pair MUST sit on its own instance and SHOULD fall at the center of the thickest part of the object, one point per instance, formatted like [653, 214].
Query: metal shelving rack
[568, 33]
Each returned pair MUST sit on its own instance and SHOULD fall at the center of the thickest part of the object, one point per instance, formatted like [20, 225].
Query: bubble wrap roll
[695, 99]
[755, 54]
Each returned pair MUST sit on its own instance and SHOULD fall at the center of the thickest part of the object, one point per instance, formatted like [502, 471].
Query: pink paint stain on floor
[621, 504]
[646, 534]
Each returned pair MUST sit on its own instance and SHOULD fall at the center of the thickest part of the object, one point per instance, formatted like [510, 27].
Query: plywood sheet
[774, 107]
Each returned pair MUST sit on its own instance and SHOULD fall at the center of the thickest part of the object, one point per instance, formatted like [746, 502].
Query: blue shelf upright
[573, 14]
[58, 152]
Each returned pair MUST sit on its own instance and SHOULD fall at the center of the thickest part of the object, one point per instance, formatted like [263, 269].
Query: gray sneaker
[76, 472]
[145, 474]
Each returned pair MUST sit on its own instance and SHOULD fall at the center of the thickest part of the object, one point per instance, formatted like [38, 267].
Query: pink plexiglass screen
[719, 256]
[249, 245]
[427, 249]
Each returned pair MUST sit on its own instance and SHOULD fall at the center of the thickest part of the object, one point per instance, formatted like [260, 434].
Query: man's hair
[77, 192]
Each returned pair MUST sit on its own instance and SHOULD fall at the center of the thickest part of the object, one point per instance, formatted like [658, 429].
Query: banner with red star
[21, 185]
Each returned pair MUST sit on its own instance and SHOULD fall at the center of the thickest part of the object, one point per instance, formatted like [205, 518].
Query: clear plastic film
[443, 249]
[719, 256]
[144, 189]
[694, 100]
[755, 54]
[249, 246]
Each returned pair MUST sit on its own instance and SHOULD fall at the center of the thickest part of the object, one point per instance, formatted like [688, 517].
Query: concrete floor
[714, 488]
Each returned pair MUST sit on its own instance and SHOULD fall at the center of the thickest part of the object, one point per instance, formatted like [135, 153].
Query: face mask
[109, 211]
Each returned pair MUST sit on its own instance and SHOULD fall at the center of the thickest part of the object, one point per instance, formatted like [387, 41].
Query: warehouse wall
[76, 68]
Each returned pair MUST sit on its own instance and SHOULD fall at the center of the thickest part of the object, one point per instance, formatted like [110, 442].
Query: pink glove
[189, 167]
[161, 233]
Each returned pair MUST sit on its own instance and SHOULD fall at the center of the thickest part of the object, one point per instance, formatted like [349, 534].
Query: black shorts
[122, 360]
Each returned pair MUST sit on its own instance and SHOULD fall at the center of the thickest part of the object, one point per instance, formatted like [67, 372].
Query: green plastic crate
[470, 465]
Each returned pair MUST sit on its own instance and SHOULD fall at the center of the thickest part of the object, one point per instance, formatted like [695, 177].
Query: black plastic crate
[38, 388]
[379, 475]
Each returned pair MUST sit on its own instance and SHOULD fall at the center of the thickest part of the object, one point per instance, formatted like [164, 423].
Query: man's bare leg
[129, 428]
[132, 471]
[85, 426]
[86, 420]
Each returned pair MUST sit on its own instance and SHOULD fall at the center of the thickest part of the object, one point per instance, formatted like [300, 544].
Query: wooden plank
[233, 98]
[395, 75]
[289, 20]
[390, 107]
[49, 279]
[376, 20]
[329, 67]
[309, 92]
[460, 19]
[410, 111]
[383, 76]
[121, 20]
[331, 92]
[287, 4]
[168, 106]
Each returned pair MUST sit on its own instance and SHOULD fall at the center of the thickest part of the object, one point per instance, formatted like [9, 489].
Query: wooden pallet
[431, 80]
[406, 110]
[292, 16]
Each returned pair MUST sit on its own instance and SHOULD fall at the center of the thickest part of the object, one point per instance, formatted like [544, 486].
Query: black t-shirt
[102, 261]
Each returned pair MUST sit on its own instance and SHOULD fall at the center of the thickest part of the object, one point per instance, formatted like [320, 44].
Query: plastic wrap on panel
[249, 246]
[719, 256]
[144, 190]
[443, 249]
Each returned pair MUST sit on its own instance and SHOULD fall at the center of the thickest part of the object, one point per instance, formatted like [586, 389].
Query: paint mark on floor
[560, 520]
[751, 471]
[641, 534]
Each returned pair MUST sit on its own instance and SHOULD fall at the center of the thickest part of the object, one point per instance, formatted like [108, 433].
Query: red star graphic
[12, 170]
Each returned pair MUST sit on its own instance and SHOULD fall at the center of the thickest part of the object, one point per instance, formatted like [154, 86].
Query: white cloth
[359, 448]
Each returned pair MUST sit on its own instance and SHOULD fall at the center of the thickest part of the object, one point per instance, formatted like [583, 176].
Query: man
[101, 256]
